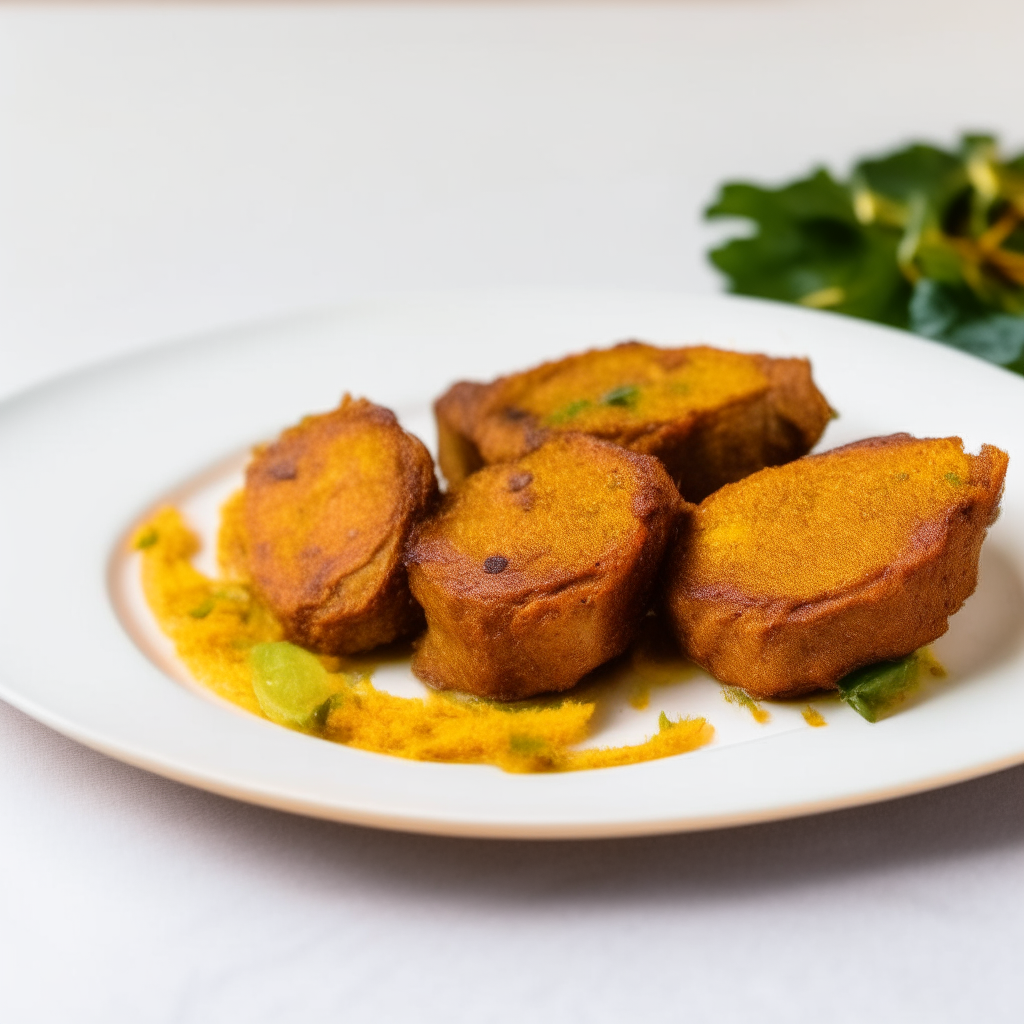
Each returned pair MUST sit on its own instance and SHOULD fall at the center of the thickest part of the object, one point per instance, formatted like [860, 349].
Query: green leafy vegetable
[922, 238]
[876, 690]
[811, 249]
[291, 685]
[956, 316]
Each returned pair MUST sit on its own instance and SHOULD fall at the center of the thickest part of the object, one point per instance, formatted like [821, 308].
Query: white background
[171, 169]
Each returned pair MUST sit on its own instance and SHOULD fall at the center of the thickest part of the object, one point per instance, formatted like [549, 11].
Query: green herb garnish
[148, 539]
[519, 744]
[922, 238]
[624, 396]
[202, 609]
[742, 699]
[875, 691]
[569, 412]
[665, 723]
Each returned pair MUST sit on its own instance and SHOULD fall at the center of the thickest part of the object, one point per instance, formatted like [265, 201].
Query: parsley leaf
[811, 249]
[956, 316]
[921, 238]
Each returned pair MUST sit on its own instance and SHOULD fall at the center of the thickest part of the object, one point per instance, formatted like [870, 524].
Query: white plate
[83, 458]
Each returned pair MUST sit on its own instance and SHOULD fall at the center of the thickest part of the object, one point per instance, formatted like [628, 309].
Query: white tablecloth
[169, 169]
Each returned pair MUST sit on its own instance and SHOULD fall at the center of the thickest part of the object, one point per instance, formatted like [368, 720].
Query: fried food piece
[709, 415]
[787, 581]
[537, 571]
[328, 509]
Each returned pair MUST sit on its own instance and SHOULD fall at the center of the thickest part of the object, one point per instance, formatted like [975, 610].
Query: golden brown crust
[456, 413]
[889, 531]
[328, 508]
[712, 417]
[535, 572]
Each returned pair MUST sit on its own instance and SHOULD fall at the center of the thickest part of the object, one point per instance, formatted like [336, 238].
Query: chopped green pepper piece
[875, 690]
[624, 396]
[570, 411]
[202, 609]
[291, 685]
[742, 699]
[148, 539]
[520, 744]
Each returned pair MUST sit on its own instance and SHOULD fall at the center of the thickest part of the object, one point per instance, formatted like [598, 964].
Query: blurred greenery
[921, 238]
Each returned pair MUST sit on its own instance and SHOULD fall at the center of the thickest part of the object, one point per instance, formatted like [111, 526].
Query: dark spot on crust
[517, 481]
[495, 564]
[283, 470]
[512, 413]
[322, 576]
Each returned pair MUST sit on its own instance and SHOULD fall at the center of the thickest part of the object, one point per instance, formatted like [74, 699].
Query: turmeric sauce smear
[214, 623]
[813, 717]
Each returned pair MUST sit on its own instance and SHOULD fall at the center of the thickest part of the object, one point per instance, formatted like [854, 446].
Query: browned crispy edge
[547, 634]
[785, 649]
[456, 414]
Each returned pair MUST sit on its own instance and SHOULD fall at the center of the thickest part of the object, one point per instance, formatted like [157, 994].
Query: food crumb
[742, 699]
[813, 717]
[926, 660]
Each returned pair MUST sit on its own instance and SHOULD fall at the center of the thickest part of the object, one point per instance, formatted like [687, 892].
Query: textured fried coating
[328, 509]
[787, 581]
[711, 416]
[537, 571]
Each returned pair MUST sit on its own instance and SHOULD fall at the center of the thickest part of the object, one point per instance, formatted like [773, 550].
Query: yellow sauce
[214, 623]
[652, 663]
[928, 662]
[813, 717]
